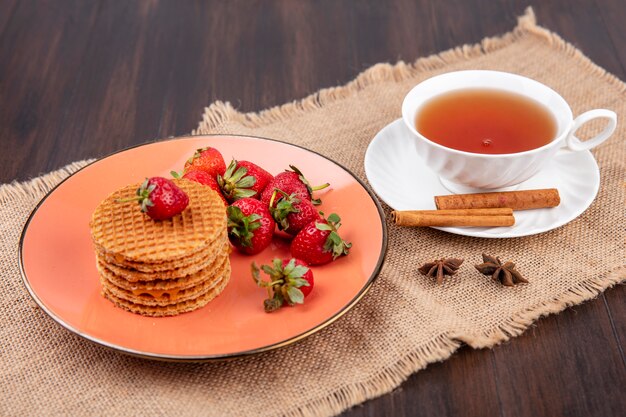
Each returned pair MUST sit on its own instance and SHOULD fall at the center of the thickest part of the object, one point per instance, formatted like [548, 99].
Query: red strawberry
[292, 182]
[291, 213]
[243, 179]
[250, 225]
[319, 243]
[206, 159]
[290, 282]
[203, 178]
[262, 176]
[160, 198]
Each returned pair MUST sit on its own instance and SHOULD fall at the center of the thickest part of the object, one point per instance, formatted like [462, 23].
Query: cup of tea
[487, 130]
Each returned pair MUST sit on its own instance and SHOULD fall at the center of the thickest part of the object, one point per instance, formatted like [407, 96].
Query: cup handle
[575, 144]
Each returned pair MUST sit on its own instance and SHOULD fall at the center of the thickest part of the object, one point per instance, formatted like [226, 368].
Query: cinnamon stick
[463, 217]
[516, 200]
[499, 211]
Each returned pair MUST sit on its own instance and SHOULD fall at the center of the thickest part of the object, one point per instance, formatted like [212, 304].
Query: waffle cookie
[170, 296]
[168, 310]
[135, 271]
[121, 230]
[166, 267]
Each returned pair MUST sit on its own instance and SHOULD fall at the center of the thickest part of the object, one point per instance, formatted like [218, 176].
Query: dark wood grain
[81, 79]
[613, 16]
[464, 385]
[6, 12]
[583, 362]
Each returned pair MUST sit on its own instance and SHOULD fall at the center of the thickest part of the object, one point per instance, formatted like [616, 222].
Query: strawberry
[319, 243]
[262, 176]
[250, 225]
[291, 213]
[206, 159]
[203, 178]
[160, 198]
[292, 182]
[243, 179]
[290, 282]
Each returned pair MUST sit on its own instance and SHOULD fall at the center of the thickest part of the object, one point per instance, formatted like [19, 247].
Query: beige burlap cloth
[404, 322]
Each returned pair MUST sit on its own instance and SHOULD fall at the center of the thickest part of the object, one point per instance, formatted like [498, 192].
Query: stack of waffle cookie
[162, 268]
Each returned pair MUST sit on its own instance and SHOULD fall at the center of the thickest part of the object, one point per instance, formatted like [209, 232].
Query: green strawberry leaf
[298, 271]
[324, 226]
[241, 226]
[277, 264]
[284, 285]
[287, 269]
[256, 276]
[268, 270]
[299, 282]
[238, 174]
[282, 209]
[230, 169]
[246, 182]
[334, 218]
[235, 183]
[238, 193]
[335, 244]
[295, 295]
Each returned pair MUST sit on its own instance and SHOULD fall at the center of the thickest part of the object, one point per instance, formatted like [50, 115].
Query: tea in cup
[486, 130]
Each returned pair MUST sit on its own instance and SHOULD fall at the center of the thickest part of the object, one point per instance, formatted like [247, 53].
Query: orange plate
[58, 262]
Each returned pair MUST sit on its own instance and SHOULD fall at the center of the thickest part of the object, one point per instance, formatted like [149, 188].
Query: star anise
[439, 268]
[505, 273]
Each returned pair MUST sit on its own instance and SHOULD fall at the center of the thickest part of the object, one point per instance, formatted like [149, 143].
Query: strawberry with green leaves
[319, 243]
[160, 198]
[291, 281]
[292, 182]
[250, 225]
[292, 213]
[206, 159]
[243, 179]
[204, 178]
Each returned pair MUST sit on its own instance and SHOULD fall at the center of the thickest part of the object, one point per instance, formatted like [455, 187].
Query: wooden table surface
[81, 79]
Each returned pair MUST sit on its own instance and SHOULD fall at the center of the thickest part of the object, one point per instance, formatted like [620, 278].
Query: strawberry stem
[142, 196]
[129, 199]
[273, 197]
[320, 187]
[310, 189]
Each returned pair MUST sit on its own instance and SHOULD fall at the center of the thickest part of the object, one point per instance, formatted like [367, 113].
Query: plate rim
[215, 357]
[480, 234]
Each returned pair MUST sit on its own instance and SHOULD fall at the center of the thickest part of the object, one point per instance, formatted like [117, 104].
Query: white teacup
[462, 171]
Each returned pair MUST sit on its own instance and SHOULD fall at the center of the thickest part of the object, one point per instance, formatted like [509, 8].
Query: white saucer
[403, 181]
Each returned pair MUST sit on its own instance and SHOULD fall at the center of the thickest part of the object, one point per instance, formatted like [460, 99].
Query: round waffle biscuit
[120, 228]
[172, 309]
[169, 297]
[189, 262]
[158, 285]
[136, 271]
